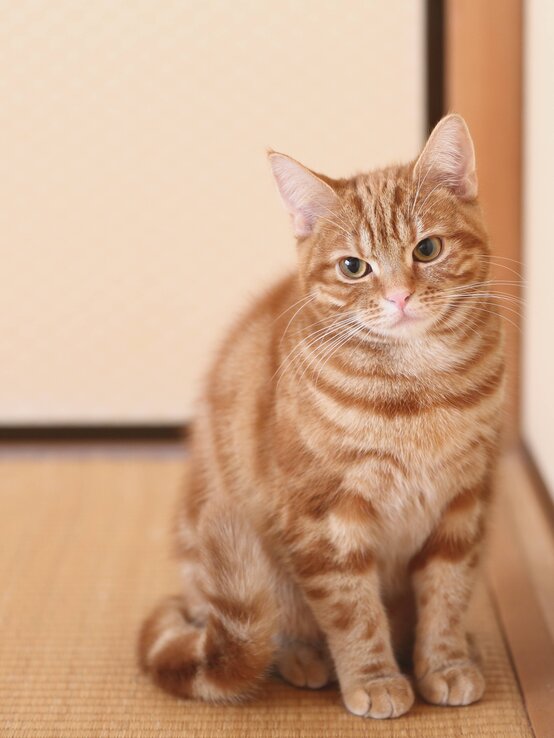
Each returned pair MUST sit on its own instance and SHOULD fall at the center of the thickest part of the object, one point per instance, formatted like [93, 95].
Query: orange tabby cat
[343, 450]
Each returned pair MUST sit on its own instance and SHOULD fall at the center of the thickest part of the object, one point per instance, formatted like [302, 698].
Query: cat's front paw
[457, 684]
[383, 697]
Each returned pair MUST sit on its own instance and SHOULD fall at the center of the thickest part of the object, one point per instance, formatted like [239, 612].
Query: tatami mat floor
[84, 554]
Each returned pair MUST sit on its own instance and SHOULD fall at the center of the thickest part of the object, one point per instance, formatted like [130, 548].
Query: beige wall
[137, 212]
[538, 336]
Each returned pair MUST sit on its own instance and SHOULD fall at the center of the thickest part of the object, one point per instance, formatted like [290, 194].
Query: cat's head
[395, 249]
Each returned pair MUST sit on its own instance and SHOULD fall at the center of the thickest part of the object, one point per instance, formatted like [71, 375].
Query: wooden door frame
[483, 73]
[483, 80]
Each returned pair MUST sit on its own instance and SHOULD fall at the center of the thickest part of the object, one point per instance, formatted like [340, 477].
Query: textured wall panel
[136, 209]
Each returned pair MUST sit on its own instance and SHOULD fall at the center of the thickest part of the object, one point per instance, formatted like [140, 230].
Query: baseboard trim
[542, 492]
[69, 434]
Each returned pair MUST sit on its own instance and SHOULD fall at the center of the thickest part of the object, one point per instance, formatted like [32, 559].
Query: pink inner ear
[449, 158]
[305, 196]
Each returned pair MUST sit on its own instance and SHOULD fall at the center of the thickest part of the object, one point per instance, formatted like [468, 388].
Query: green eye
[354, 268]
[428, 249]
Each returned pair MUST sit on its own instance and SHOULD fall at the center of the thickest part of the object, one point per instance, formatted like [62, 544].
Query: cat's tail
[222, 654]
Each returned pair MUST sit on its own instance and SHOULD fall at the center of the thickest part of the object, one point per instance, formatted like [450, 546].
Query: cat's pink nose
[399, 296]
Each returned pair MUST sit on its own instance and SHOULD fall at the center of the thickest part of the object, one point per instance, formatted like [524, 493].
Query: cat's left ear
[306, 196]
[449, 158]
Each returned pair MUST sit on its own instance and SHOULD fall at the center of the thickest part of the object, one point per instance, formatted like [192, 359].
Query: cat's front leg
[443, 577]
[342, 588]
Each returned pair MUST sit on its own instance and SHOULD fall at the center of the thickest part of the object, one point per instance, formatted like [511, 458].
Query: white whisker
[309, 340]
[333, 349]
[313, 297]
[320, 351]
[290, 307]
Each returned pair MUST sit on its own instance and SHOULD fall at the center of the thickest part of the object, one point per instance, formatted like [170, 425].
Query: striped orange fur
[343, 448]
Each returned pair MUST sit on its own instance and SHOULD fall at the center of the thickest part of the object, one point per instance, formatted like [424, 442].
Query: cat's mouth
[405, 318]
[405, 324]
[398, 324]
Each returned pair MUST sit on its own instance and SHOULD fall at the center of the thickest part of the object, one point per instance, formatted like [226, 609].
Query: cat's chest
[408, 497]
[395, 520]
[407, 515]
[410, 472]
[406, 434]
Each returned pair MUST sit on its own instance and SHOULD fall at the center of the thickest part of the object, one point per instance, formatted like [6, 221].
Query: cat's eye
[354, 268]
[428, 249]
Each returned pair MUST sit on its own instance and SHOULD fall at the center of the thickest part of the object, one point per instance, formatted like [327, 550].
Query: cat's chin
[406, 327]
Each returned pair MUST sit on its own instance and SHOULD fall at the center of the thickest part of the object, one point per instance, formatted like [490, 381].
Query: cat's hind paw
[303, 665]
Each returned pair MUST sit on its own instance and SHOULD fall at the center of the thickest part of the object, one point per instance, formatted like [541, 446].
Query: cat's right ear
[306, 196]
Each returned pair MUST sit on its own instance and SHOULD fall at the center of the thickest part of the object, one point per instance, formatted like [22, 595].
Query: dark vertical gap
[435, 62]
